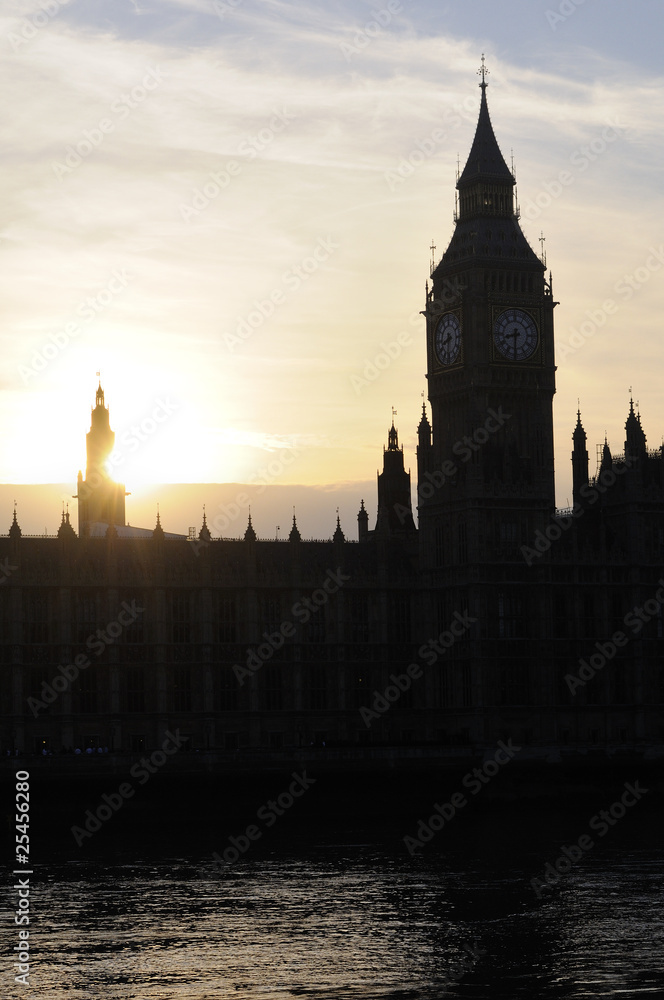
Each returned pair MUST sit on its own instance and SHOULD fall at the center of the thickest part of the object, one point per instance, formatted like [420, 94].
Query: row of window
[40, 611]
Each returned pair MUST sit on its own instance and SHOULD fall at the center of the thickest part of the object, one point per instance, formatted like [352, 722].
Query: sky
[227, 208]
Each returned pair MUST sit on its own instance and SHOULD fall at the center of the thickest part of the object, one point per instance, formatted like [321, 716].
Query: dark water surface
[349, 922]
[329, 903]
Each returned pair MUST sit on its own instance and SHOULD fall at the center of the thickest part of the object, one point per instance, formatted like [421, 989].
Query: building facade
[497, 617]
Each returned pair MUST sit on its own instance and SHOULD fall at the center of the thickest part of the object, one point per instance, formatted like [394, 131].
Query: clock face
[515, 334]
[447, 339]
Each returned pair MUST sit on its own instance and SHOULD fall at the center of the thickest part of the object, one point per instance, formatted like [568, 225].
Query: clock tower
[485, 468]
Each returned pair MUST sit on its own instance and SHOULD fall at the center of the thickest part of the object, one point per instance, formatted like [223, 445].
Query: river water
[349, 923]
[329, 903]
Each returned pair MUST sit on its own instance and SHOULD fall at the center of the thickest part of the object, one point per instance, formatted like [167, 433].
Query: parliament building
[486, 614]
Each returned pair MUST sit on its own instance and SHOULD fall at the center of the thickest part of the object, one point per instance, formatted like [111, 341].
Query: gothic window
[439, 552]
[181, 688]
[462, 542]
[358, 617]
[466, 685]
[398, 618]
[362, 685]
[510, 616]
[271, 680]
[180, 608]
[227, 687]
[87, 688]
[135, 689]
[35, 616]
[443, 687]
[513, 688]
[317, 686]
[270, 617]
[226, 618]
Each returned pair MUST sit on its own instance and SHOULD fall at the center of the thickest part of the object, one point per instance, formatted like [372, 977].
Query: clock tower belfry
[486, 482]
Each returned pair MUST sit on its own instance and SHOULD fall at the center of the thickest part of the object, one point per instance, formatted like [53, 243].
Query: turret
[424, 449]
[395, 512]
[635, 439]
[100, 499]
[486, 185]
[579, 458]
[362, 523]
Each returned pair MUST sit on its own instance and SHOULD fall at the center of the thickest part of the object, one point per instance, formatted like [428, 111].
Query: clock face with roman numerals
[515, 334]
[447, 340]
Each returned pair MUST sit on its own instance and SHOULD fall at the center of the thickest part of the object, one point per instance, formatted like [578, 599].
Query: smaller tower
[635, 439]
[250, 534]
[362, 523]
[579, 458]
[424, 449]
[395, 510]
[204, 535]
[294, 535]
[100, 499]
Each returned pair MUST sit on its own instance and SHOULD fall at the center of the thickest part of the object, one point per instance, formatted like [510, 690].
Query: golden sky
[227, 208]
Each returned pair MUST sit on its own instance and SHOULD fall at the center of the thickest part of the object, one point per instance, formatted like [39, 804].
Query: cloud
[323, 175]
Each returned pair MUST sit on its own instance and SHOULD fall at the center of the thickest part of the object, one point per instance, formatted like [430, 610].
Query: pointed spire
[362, 523]
[635, 439]
[485, 161]
[250, 534]
[15, 530]
[607, 460]
[205, 534]
[65, 530]
[295, 535]
[579, 433]
[424, 424]
[392, 435]
[158, 533]
[338, 535]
